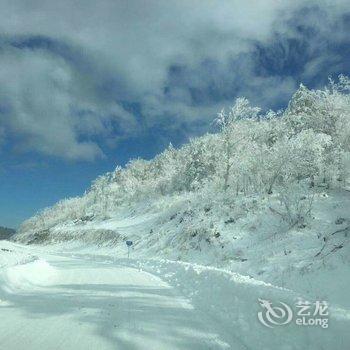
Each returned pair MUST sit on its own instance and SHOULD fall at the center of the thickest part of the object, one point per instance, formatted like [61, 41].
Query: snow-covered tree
[229, 124]
[253, 154]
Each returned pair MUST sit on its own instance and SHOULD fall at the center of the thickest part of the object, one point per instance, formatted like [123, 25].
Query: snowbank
[13, 254]
[233, 301]
[38, 273]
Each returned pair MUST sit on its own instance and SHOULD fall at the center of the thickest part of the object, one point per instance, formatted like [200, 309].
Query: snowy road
[67, 303]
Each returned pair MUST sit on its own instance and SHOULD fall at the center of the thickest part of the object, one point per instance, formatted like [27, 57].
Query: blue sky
[86, 86]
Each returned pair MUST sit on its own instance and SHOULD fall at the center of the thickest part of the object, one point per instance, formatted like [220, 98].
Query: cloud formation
[74, 75]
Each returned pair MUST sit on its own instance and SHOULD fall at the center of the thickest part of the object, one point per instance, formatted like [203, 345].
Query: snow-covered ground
[69, 298]
[68, 303]
[255, 242]
[14, 254]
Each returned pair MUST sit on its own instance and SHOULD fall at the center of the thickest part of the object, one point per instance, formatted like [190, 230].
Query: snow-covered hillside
[267, 196]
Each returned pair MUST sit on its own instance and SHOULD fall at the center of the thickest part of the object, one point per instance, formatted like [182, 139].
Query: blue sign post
[128, 244]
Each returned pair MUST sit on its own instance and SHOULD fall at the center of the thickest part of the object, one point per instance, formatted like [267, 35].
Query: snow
[99, 300]
[69, 303]
[256, 244]
[13, 254]
[258, 211]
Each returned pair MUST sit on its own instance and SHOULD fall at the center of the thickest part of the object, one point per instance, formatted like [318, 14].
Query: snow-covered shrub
[295, 204]
[65, 210]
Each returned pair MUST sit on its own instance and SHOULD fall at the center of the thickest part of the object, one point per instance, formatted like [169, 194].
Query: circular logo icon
[274, 315]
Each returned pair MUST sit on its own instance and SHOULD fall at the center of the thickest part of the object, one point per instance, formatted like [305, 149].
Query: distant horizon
[5, 227]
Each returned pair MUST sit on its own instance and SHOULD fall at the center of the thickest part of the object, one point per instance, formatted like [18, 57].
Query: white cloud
[41, 92]
[108, 53]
